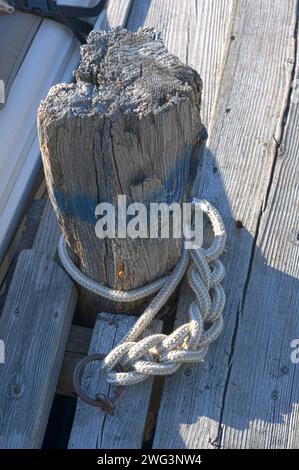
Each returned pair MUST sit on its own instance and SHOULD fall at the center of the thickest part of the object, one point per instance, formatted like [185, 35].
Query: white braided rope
[160, 354]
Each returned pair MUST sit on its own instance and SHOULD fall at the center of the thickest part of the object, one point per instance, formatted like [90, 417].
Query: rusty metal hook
[100, 401]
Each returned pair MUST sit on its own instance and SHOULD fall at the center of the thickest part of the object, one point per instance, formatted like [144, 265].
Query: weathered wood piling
[129, 125]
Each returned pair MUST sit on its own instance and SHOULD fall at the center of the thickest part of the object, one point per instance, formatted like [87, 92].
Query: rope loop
[142, 357]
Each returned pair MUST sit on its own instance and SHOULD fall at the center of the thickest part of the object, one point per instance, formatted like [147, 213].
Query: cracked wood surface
[48, 232]
[195, 31]
[128, 126]
[231, 400]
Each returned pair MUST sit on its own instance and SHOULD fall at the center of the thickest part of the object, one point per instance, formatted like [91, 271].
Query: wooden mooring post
[130, 125]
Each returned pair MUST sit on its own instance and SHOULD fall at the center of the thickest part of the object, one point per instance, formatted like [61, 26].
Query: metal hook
[100, 401]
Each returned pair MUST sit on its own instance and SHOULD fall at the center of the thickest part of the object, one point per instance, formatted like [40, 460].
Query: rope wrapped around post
[160, 354]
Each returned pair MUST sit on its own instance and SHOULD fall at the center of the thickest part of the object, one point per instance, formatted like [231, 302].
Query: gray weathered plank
[261, 403]
[195, 31]
[237, 172]
[92, 428]
[34, 326]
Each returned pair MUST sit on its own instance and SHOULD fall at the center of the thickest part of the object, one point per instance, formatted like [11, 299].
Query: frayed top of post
[123, 73]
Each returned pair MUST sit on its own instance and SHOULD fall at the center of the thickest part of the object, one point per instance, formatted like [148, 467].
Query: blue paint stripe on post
[77, 206]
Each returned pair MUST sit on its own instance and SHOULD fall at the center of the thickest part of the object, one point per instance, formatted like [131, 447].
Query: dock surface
[246, 394]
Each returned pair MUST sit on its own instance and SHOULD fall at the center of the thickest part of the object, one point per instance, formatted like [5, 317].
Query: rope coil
[160, 354]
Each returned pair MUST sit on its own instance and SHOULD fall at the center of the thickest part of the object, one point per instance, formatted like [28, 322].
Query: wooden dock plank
[92, 428]
[34, 326]
[261, 407]
[195, 31]
[237, 169]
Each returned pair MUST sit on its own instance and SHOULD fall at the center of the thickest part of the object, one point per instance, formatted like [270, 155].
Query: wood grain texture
[34, 326]
[76, 348]
[261, 404]
[195, 31]
[135, 117]
[48, 233]
[92, 428]
[236, 176]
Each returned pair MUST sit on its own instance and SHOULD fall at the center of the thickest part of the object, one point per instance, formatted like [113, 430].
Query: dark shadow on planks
[60, 423]
[272, 369]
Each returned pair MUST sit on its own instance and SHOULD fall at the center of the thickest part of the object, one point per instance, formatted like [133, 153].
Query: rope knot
[141, 357]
